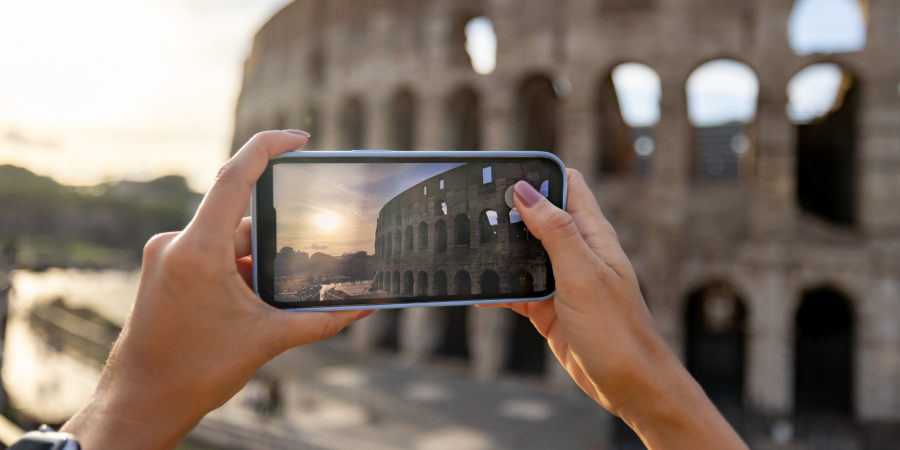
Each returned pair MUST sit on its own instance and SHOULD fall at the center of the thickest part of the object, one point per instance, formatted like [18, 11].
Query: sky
[333, 208]
[105, 90]
[99, 90]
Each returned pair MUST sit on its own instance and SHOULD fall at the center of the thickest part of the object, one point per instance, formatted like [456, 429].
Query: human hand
[600, 329]
[197, 332]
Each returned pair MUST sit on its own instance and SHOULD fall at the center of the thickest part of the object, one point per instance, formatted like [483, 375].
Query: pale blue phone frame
[387, 154]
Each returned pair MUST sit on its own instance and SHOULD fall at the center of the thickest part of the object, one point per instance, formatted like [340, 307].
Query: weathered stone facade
[335, 68]
[436, 238]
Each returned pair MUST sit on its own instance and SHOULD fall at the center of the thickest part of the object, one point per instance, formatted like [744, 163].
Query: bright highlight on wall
[720, 92]
[638, 89]
[813, 91]
[481, 45]
[827, 26]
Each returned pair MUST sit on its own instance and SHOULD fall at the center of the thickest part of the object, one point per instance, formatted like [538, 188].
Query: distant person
[198, 333]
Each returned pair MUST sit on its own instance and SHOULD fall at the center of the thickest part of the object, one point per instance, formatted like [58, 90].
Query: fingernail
[301, 133]
[363, 314]
[527, 195]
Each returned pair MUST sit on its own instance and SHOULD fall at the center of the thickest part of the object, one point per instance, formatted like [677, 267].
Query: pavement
[330, 399]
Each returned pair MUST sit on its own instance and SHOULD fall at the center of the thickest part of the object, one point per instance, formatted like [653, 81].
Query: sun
[327, 221]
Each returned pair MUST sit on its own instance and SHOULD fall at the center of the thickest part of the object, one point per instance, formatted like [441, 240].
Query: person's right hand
[600, 329]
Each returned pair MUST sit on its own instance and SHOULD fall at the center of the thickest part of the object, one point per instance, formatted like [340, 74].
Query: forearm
[677, 414]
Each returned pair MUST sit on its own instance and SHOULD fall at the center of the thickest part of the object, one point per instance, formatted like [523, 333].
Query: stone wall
[315, 57]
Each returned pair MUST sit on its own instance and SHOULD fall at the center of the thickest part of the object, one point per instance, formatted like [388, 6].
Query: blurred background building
[746, 151]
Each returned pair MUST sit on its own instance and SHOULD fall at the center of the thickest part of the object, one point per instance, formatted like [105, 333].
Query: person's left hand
[197, 332]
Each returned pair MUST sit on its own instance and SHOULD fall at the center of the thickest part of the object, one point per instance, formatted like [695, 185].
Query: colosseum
[427, 245]
[773, 270]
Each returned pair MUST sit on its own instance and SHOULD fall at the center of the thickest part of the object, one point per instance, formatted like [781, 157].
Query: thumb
[555, 229]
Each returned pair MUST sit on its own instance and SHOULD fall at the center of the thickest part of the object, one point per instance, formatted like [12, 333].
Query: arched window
[628, 109]
[522, 283]
[408, 284]
[409, 238]
[527, 347]
[423, 235]
[454, 340]
[827, 26]
[463, 283]
[389, 250]
[395, 288]
[440, 283]
[490, 283]
[722, 97]
[715, 341]
[824, 102]
[462, 229]
[352, 125]
[475, 44]
[824, 353]
[487, 226]
[403, 114]
[422, 284]
[440, 236]
[517, 229]
[464, 115]
[536, 115]
[398, 243]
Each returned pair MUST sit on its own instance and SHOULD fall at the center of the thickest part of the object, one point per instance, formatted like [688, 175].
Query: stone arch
[423, 235]
[422, 284]
[409, 239]
[440, 236]
[526, 347]
[826, 149]
[395, 286]
[847, 35]
[463, 283]
[490, 283]
[440, 283]
[522, 282]
[624, 141]
[488, 226]
[390, 337]
[389, 246]
[403, 115]
[722, 122]
[409, 284]
[823, 352]
[453, 340]
[517, 229]
[715, 341]
[440, 207]
[461, 229]
[352, 120]
[464, 114]
[536, 115]
[398, 243]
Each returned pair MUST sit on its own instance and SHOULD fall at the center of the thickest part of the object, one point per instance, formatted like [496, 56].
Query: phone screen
[352, 233]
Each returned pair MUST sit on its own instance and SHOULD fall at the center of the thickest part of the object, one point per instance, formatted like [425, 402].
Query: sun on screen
[327, 221]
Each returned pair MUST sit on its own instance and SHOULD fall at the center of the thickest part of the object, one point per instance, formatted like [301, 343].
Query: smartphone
[379, 229]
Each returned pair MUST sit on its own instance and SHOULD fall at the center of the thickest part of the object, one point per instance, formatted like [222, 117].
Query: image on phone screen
[380, 233]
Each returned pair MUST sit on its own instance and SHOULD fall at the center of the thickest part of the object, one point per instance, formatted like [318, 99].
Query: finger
[245, 269]
[555, 229]
[225, 203]
[296, 328]
[596, 231]
[243, 245]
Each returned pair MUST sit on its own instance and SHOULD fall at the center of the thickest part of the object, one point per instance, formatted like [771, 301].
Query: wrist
[123, 415]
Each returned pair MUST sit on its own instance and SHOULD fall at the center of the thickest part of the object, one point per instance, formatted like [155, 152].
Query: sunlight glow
[827, 26]
[720, 92]
[481, 44]
[327, 221]
[639, 90]
[813, 91]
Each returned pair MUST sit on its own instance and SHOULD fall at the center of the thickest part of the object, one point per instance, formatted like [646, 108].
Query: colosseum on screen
[402, 232]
